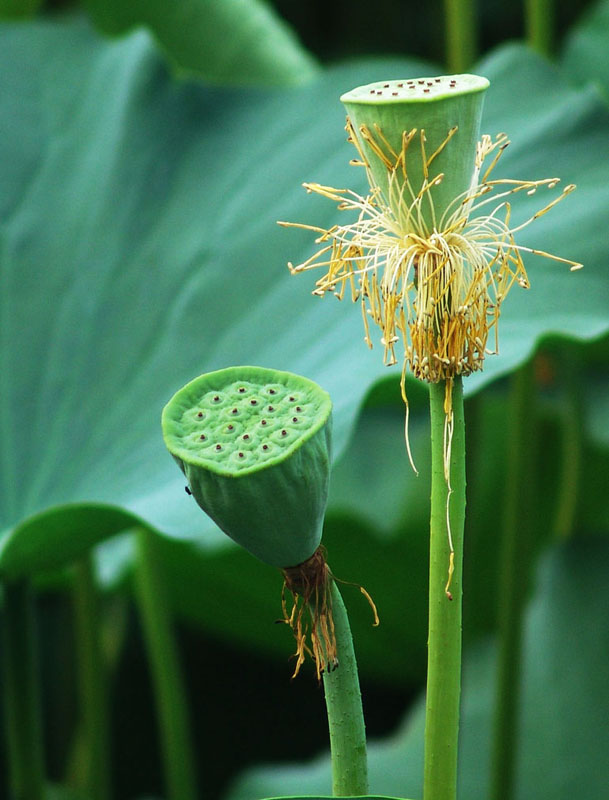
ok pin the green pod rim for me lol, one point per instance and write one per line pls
(386, 110)
(255, 447)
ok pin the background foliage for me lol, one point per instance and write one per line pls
(142, 177)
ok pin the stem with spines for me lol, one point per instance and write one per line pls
(444, 642)
(345, 713)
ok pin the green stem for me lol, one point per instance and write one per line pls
(460, 33)
(96, 777)
(572, 446)
(22, 693)
(539, 21)
(165, 668)
(345, 714)
(444, 642)
(513, 579)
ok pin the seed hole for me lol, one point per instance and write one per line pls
(298, 408)
(272, 391)
(291, 399)
(202, 437)
(218, 447)
(263, 422)
(231, 427)
(284, 433)
(253, 402)
(246, 437)
(187, 490)
(241, 389)
(240, 455)
(200, 414)
(216, 398)
(294, 419)
(265, 447)
(271, 408)
(235, 411)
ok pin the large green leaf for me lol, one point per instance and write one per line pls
(240, 42)
(585, 52)
(564, 728)
(139, 249)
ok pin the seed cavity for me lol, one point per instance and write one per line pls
(200, 414)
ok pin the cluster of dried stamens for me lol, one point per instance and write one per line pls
(436, 284)
(310, 617)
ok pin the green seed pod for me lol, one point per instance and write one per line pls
(406, 123)
(254, 445)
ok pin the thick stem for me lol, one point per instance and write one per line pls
(539, 17)
(345, 714)
(22, 693)
(444, 642)
(92, 683)
(460, 33)
(164, 664)
(513, 579)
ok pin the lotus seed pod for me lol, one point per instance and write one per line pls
(254, 445)
(385, 115)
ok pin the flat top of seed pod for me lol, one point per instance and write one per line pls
(241, 419)
(416, 89)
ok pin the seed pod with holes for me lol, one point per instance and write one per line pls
(430, 110)
(254, 445)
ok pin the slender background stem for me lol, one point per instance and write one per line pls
(92, 683)
(460, 34)
(22, 693)
(539, 22)
(572, 445)
(345, 713)
(514, 560)
(444, 643)
(165, 668)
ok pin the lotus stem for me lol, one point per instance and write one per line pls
(444, 642)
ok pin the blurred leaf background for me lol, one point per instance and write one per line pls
(146, 152)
